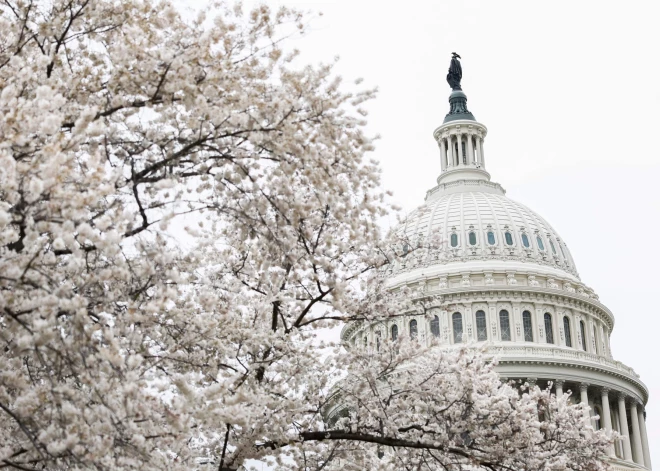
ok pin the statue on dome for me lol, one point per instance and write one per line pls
(455, 72)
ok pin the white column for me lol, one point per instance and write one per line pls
(638, 452)
(607, 416)
(470, 149)
(617, 427)
(450, 151)
(627, 451)
(443, 155)
(460, 148)
(645, 437)
(584, 399)
(481, 152)
(477, 153)
(559, 387)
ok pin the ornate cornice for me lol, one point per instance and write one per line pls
(472, 184)
(632, 378)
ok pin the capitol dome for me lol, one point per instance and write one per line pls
(494, 273)
(479, 223)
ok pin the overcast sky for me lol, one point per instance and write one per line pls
(570, 93)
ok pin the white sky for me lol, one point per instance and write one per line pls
(570, 93)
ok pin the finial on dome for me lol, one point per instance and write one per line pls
(457, 99)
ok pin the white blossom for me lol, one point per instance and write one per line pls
(181, 211)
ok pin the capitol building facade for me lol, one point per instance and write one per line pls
(504, 278)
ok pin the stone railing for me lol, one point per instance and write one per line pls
(536, 351)
(458, 183)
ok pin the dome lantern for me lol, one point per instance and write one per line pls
(460, 137)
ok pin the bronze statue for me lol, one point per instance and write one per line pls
(455, 72)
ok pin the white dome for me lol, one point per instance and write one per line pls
(463, 224)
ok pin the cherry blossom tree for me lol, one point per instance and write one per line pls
(182, 209)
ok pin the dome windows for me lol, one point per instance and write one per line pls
(457, 324)
(567, 331)
(552, 246)
(490, 237)
(453, 240)
(482, 329)
(505, 326)
(508, 238)
(549, 334)
(527, 326)
(413, 329)
(539, 242)
(394, 330)
(472, 238)
(435, 326)
(583, 332)
(525, 240)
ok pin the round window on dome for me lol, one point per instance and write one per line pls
(472, 238)
(490, 236)
(453, 240)
(525, 240)
(508, 238)
(540, 243)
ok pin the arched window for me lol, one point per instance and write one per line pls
(539, 241)
(563, 254)
(528, 330)
(472, 238)
(490, 237)
(583, 332)
(505, 326)
(552, 246)
(413, 328)
(365, 341)
(549, 335)
(378, 340)
(482, 329)
(525, 240)
(595, 337)
(457, 323)
(394, 330)
(405, 249)
(567, 331)
(435, 326)
(508, 238)
(454, 240)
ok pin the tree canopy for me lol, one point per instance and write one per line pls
(181, 210)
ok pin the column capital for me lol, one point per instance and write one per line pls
(584, 387)
(531, 381)
(622, 396)
(559, 382)
(604, 391)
